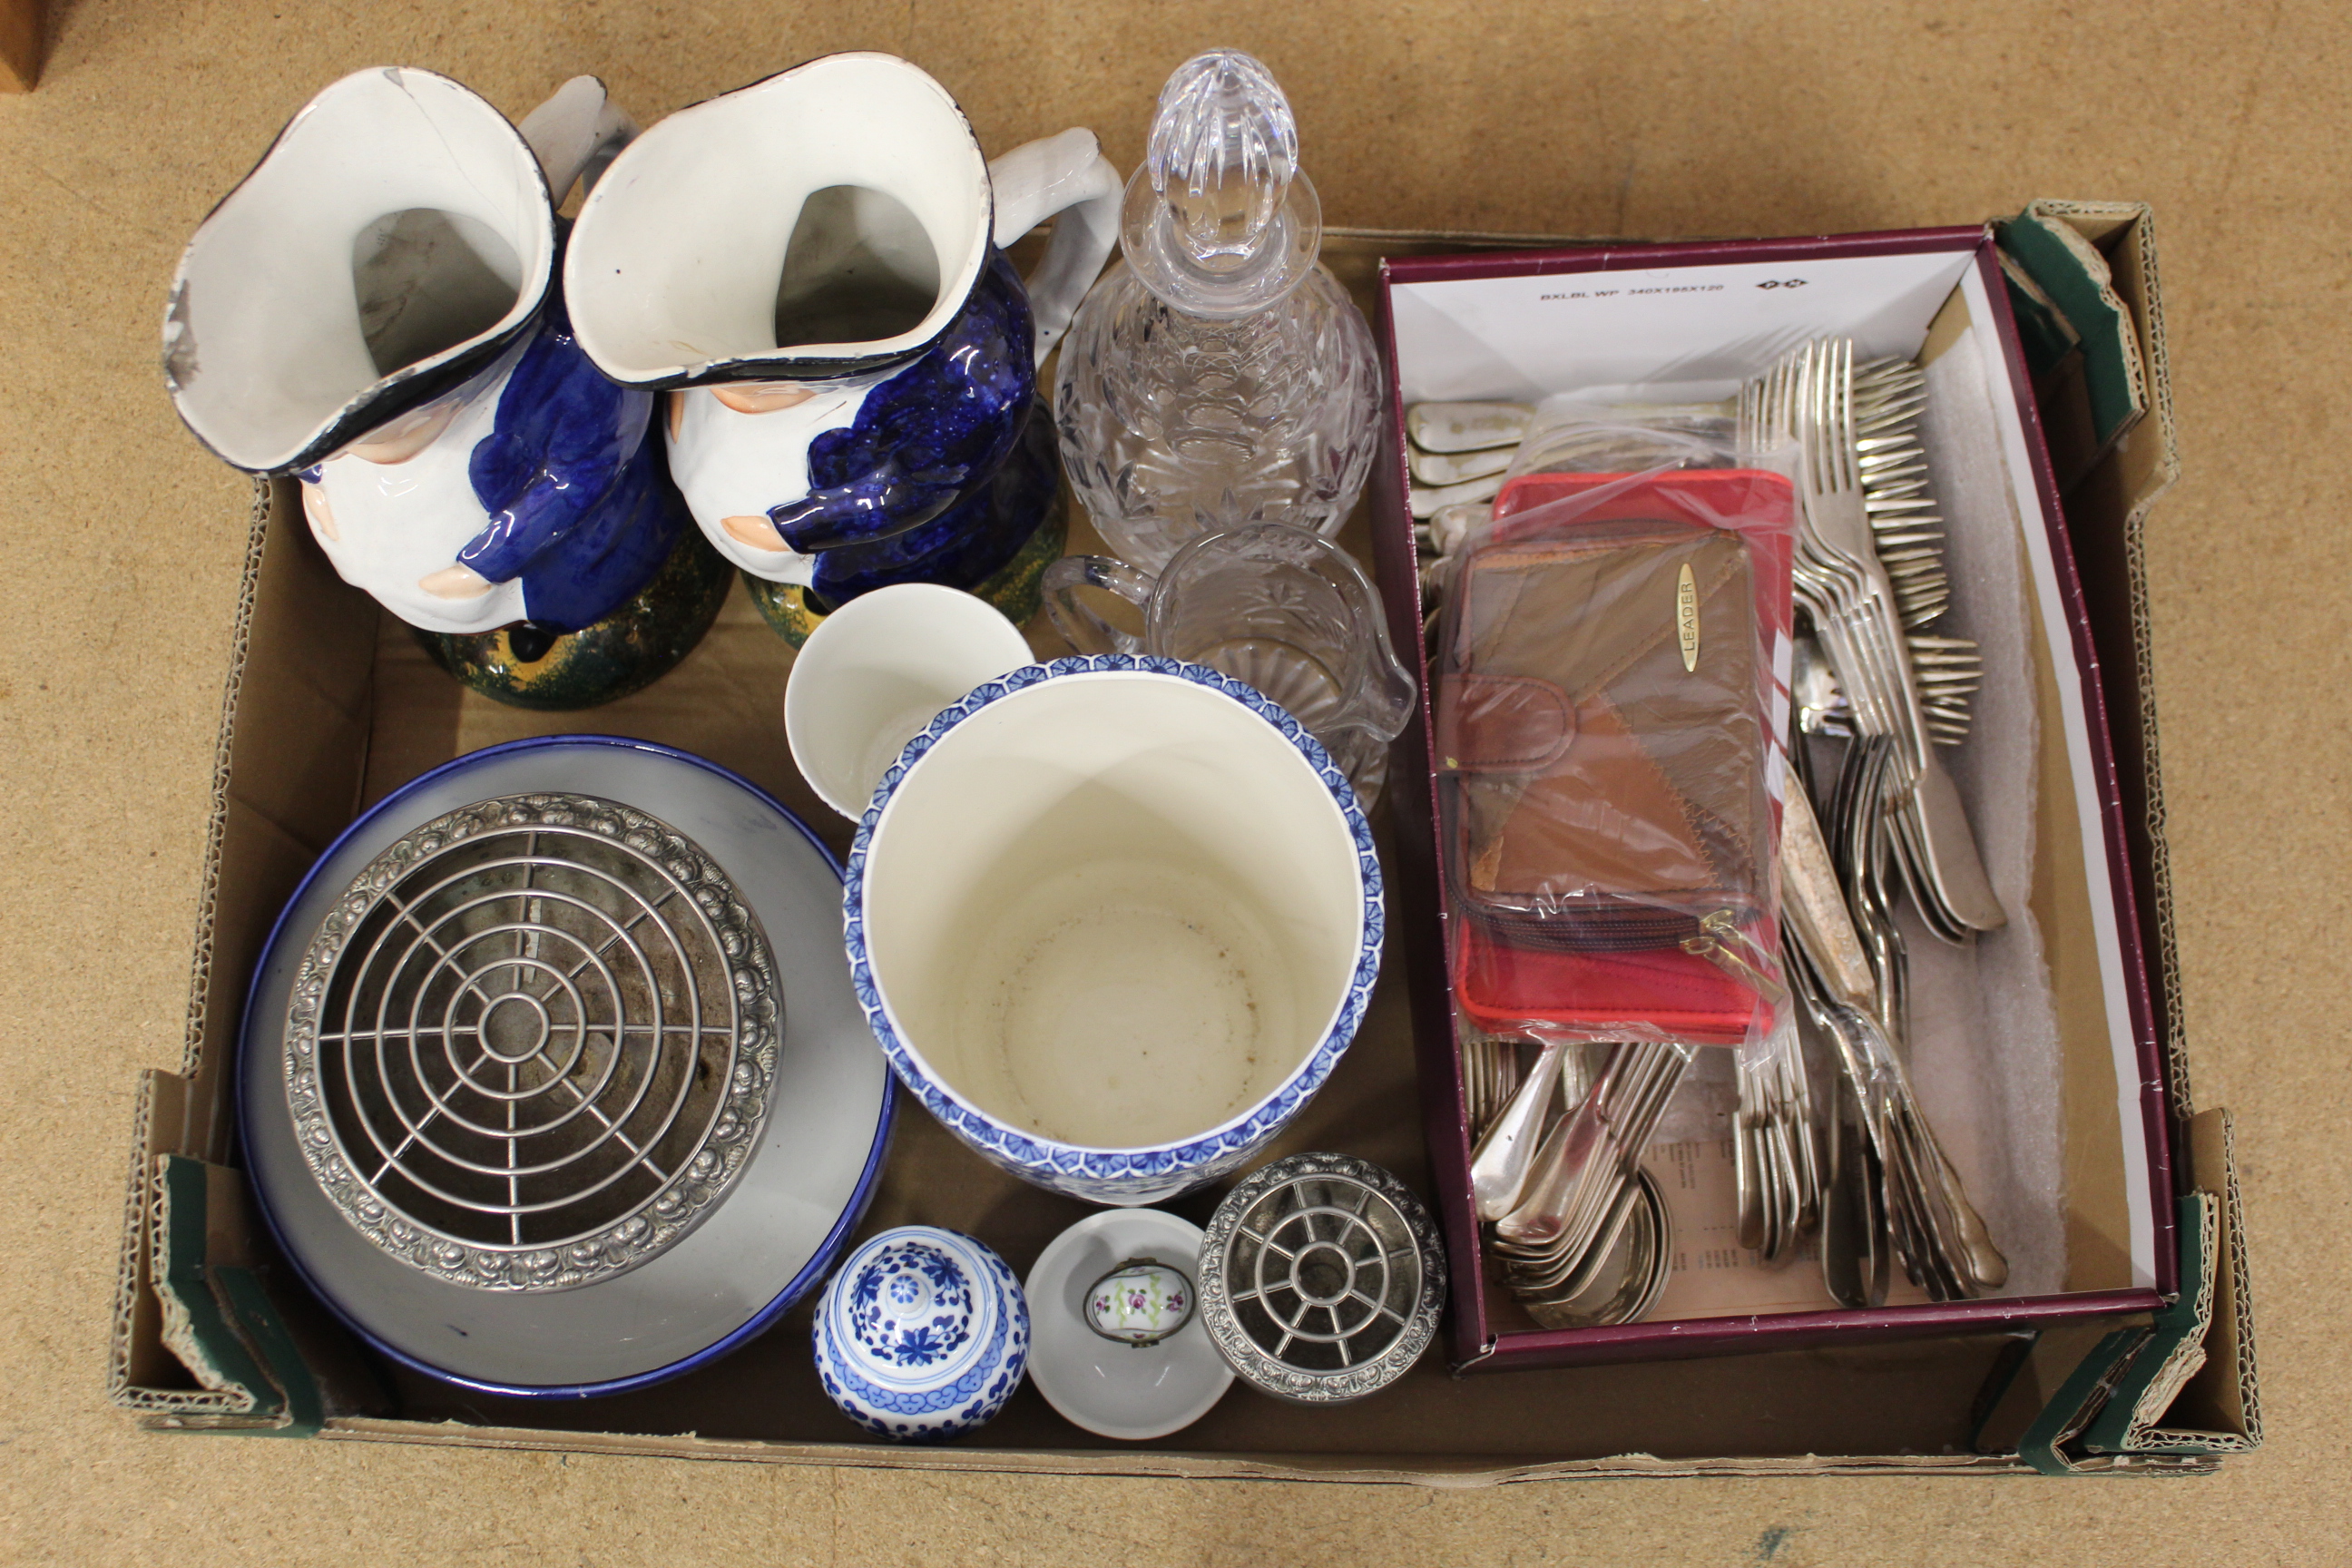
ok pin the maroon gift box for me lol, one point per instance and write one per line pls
(1772, 293)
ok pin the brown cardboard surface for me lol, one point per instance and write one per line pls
(2222, 1396)
(122, 555)
(23, 24)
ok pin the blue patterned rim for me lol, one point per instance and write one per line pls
(819, 1265)
(1049, 1157)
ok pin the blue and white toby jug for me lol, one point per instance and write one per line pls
(375, 309)
(810, 267)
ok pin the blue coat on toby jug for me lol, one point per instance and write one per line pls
(570, 484)
(810, 267)
(374, 309)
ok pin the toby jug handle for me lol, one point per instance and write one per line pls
(1066, 178)
(577, 134)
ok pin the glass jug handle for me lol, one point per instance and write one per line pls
(1066, 178)
(575, 135)
(1080, 626)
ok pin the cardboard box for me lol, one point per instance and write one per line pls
(331, 705)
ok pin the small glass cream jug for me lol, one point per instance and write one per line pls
(1279, 607)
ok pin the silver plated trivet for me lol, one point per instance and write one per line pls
(532, 1043)
(1321, 1278)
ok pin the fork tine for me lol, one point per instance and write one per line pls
(1833, 423)
(1847, 479)
(1824, 421)
(1838, 396)
(1800, 410)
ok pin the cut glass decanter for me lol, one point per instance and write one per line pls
(1219, 375)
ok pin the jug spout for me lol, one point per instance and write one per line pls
(577, 134)
(310, 308)
(824, 223)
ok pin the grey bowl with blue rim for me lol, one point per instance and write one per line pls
(784, 1221)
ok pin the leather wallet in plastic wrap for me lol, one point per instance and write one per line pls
(1607, 755)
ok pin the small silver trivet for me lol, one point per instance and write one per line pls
(1321, 1278)
(532, 1045)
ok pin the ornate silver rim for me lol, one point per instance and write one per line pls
(532, 1043)
(1335, 1208)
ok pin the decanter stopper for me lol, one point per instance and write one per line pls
(1223, 150)
(1220, 221)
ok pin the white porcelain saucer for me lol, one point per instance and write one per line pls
(1114, 1390)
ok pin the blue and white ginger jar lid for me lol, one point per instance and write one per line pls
(922, 1335)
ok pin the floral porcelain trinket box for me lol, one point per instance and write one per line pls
(1140, 1302)
(923, 1334)
(1119, 1351)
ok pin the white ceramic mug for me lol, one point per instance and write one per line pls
(878, 669)
(1113, 920)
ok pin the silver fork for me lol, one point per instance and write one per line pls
(1777, 1165)
(1808, 398)
(1936, 832)
(1923, 1204)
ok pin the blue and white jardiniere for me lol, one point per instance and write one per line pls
(923, 1334)
(374, 309)
(1114, 920)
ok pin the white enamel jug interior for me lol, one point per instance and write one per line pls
(1117, 911)
(837, 213)
(398, 220)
